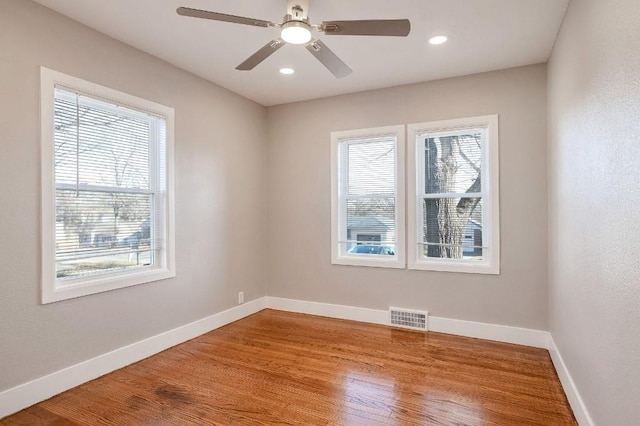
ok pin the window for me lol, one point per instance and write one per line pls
(453, 201)
(107, 206)
(368, 197)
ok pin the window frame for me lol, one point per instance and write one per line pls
(53, 289)
(339, 257)
(490, 197)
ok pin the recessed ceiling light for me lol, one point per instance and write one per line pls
(438, 39)
(287, 71)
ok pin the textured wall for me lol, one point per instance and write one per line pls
(299, 189)
(220, 169)
(594, 187)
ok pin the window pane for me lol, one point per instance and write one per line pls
(100, 232)
(452, 162)
(452, 228)
(98, 145)
(371, 225)
(371, 167)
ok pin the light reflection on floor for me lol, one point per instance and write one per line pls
(375, 399)
(368, 398)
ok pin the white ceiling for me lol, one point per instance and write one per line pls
(484, 35)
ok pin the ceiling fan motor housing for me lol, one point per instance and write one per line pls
(297, 13)
(298, 9)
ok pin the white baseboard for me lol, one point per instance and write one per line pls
(575, 400)
(500, 333)
(27, 394)
(374, 316)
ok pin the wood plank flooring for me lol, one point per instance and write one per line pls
(279, 368)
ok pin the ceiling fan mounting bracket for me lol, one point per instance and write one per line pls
(329, 28)
(314, 46)
(274, 44)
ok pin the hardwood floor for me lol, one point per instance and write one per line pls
(279, 368)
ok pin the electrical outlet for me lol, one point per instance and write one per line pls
(240, 297)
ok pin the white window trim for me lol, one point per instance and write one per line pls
(52, 290)
(491, 202)
(381, 261)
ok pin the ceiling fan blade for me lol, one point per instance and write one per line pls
(329, 59)
(262, 54)
(205, 14)
(368, 27)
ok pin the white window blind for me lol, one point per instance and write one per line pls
(369, 215)
(110, 179)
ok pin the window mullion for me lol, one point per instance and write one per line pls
(453, 195)
(107, 189)
(370, 196)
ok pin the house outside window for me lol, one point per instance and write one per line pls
(107, 191)
(368, 208)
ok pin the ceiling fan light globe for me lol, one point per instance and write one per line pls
(296, 32)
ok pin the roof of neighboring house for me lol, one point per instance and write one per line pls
(365, 222)
(474, 224)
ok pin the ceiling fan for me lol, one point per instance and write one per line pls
(296, 29)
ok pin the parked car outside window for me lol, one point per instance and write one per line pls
(372, 249)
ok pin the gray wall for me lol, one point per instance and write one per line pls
(299, 265)
(594, 187)
(220, 170)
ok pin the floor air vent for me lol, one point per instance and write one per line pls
(407, 318)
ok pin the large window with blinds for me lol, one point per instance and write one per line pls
(368, 197)
(453, 196)
(107, 199)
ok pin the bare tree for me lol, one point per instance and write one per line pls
(128, 206)
(446, 218)
(75, 219)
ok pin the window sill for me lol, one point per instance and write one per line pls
(56, 290)
(377, 262)
(453, 266)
